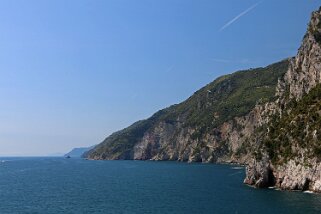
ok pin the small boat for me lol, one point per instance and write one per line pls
(67, 156)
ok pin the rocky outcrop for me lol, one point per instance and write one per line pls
(260, 173)
(293, 156)
(299, 174)
(304, 71)
(296, 174)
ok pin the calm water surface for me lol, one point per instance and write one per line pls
(58, 185)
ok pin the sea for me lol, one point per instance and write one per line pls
(59, 185)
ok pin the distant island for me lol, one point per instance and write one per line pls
(267, 118)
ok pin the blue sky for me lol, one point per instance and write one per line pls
(74, 71)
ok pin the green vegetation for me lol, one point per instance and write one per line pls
(119, 145)
(299, 128)
(227, 97)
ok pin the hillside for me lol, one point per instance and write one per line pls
(182, 131)
(78, 152)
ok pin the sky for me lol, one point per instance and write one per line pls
(74, 71)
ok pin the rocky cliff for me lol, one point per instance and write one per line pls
(290, 149)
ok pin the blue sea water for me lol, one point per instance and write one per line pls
(58, 185)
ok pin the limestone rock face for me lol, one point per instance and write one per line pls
(305, 69)
(296, 176)
(290, 176)
(259, 174)
(302, 171)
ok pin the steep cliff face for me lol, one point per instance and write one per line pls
(304, 70)
(290, 148)
(232, 141)
(213, 125)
